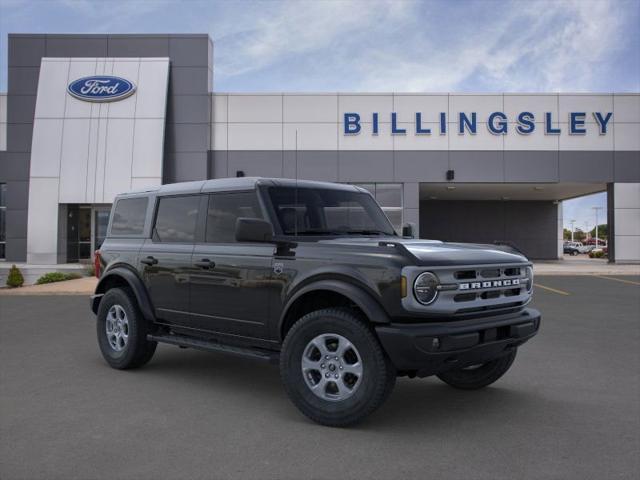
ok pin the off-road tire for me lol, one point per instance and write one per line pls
(479, 377)
(378, 378)
(138, 351)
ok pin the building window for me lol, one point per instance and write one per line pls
(389, 196)
(3, 222)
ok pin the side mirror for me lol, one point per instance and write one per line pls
(253, 230)
(407, 230)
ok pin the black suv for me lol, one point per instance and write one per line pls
(313, 276)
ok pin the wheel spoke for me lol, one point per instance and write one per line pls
(354, 369)
(308, 364)
(343, 347)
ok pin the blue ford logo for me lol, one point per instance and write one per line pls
(103, 88)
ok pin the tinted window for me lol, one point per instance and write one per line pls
(128, 216)
(318, 211)
(224, 210)
(176, 219)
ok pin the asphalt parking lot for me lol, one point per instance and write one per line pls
(569, 408)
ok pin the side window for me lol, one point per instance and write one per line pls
(224, 210)
(176, 219)
(129, 215)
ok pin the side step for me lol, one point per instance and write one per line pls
(210, 346)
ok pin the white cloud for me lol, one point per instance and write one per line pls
(382, 46)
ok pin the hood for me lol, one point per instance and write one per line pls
(437, 253)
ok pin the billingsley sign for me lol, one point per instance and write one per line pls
(101, 88)
(497, 123)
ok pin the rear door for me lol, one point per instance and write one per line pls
(166, 257)
(231, 281)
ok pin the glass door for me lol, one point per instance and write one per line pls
(99, 227)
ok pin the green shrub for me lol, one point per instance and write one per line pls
(52, 277)
(596, 254)
(15, 278)
(90, 270)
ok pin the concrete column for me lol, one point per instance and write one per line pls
(624, 222)
(411, 206)
(560, 236)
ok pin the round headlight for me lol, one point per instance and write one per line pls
(425, 288)
(529, 279)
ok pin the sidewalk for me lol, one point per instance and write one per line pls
(81, 286)
(583, 265)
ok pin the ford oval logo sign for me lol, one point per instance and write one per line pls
(101, 88)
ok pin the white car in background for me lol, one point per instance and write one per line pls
(579, 246)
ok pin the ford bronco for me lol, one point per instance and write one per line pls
(312, 276)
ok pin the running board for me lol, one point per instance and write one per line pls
(208, 346)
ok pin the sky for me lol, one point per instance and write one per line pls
(377, 45)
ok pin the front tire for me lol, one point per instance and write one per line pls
(122, 331)
(479, 376)
(334, 369)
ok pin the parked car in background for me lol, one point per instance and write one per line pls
(570, 249)
(577, 246)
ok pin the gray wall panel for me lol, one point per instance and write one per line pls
(626, 166)
(16, 250)
(218, 164)
(188, 109)
(260, 163)
(188, 80)
(17, 223)
(529, 166)
(187, 137)
(477, 166)
(311, 165)
(532, 226)
(16, 167)
(23, 81)
(76, 46)
(426, 166)
(26, 50)
(22, 108)
(189, 51)
(138, 46)
(184, 167)
(365, 166)
(19, 137)
(17, 195)
(586, 166)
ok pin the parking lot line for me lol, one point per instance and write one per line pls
(554, 290)
(631, 282)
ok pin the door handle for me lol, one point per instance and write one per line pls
(205, 263)
(149, 260)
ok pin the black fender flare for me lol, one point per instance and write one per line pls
(136, 285)
(369, 306)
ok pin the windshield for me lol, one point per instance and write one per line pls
(325, 211)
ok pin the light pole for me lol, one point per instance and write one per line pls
(596, 210)
(572, 222)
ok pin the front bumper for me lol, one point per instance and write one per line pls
(429, 348)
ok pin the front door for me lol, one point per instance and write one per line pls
(231, 281)
(165, 259)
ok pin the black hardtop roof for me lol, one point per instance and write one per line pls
(239, 183)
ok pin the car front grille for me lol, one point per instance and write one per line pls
(475, 289)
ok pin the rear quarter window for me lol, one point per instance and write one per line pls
(128, 216)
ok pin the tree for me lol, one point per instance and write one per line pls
(603, 231)
(578, 235)
(566, 234)
(15, 278)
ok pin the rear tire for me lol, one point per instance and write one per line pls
(122, 331)
(334, 369)
(476, 377)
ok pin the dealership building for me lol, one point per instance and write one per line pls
(86, 117)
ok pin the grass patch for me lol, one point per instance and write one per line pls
(53, 277)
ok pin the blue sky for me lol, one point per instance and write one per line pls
(369, 45)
